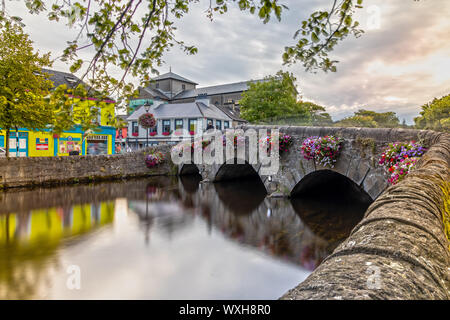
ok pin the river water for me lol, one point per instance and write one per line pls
(163, 238)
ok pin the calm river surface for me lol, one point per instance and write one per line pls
(163, 238)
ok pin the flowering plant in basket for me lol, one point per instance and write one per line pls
(325, 150)
(154, 159)
(400, 158)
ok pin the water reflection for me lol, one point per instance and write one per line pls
(169, 238)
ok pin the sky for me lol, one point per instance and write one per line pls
(401, 61)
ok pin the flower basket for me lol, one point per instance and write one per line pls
(147, 121)
(135, 134)
(55, 136)
(284, 143)
(153, 133)
(166, 133)
(178, 133)
(192, 133)
(154, 159)
(399, 159)
(324, 150)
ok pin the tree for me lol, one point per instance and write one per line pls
(357, 121)
(435, 115)
(318, 115)
(133, 35)
(370, 119)
(23, 88)
(383, 119)
(271, 99)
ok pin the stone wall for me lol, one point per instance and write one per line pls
(26, 172)
(399, 250)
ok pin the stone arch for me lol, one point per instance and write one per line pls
(188, 169)
(331, 184)
(236, 170)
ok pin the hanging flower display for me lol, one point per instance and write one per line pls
(284, 142)
(147, 121)
(154, 159)
(324, 150)
(399, 170)
(400, 158)
(237, 140)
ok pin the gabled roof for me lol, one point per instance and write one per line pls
(156, 93)
(232, 114)
(181, 110)
(213, 90)
(171, 75)
(59, 78)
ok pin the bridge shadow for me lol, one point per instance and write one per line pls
(330, 204)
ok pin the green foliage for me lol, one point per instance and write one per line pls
(318, 115)
(320, 33)
(383, 119)
(370, 119)
(435, 115)
(271, 99)
(22, 87)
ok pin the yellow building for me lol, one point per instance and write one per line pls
(29, 143)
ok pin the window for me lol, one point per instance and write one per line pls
(209, 124)
(183, 86)
(193, 125)
(157, 85)
(154, 129)
(134, 127)
(219, 124)
(226, 124)
(178, 124)
(166, 126)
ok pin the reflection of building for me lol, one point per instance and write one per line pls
(54, 223)
(29, 143)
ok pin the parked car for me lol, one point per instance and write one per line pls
(2, 152)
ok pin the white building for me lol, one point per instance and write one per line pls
(175, 121)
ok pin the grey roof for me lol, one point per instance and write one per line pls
(232, 114)
(213, 90)
(156, 93)
(59, 78)
(181, 110)
(171, 75)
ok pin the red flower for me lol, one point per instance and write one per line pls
(135, 134)
(153, 133)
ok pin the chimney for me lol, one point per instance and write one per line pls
(203, 97)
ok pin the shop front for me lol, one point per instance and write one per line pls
(97, 144)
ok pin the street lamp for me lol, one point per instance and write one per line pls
(147, 108)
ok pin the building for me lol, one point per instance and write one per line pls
(177, 104)
(174, 89)
(28, 143)
(175, 121)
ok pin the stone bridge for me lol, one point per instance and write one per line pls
(357, 166)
